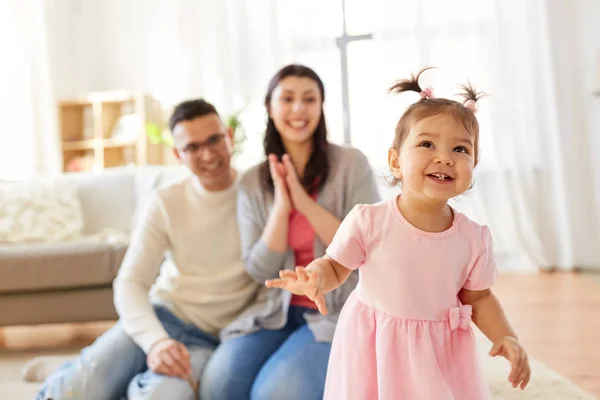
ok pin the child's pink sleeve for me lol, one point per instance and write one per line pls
(349, 243)
(483, 273)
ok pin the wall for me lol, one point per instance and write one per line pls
(92, 46)
(76, 46)
(171, 49)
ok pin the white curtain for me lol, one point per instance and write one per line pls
(28, 136)
(535, 183)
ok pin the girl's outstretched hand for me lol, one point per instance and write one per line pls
(302, 283)
(510, 348)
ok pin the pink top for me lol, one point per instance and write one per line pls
(301, 238)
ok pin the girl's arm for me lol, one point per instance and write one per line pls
(488, 314)
(320, 276)
(326, 274)
(489, 317)
(331, 273)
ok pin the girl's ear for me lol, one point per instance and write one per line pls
(394, 163)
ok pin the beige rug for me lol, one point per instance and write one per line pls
(545, 384)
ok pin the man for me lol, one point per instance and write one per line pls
(168, 325)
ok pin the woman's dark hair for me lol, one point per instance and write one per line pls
(317, 168)
(463, 113)
(190, 109)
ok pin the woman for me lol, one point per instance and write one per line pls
(289, 208)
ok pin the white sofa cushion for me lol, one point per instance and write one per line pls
(107, 198)
(39, 211)
(110, 198)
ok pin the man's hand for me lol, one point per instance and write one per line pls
(170, 357)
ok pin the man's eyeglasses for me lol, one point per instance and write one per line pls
(213, 142)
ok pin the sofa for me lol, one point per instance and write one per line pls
(70, 280)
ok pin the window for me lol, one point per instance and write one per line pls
(360, 48)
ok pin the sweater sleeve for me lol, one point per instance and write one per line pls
(138, 272)
(261, 262)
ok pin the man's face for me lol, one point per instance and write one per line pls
(204, 145)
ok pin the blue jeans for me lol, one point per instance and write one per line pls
(114, 367)
(269, 364)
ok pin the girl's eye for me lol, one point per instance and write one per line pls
(426, 144)
(461, 149)
(287, 99)
(310, 100)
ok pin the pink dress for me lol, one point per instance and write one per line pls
(403, 333)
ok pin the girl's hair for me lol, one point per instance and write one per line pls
(428, 106)
(317, 168)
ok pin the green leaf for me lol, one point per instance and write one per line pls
(156, 135)
(168, 139)
(239, 136)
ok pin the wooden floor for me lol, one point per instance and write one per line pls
(557, 316)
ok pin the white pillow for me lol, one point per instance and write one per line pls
(39, 211)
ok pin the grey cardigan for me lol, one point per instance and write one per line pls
(350, 182)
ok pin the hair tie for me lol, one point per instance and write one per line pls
(427, 93)
(471, 105)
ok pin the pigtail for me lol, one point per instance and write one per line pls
(471, 96)
(410, 85)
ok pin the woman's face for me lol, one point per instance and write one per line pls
(295, 108)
